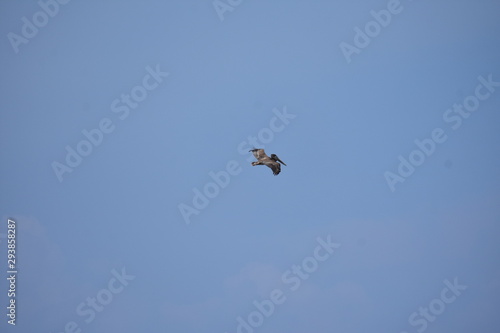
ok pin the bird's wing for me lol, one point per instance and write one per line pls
(259, 154)
(275, 166)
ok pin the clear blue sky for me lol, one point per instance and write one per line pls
(106, 247)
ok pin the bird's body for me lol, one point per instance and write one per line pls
(272, 162)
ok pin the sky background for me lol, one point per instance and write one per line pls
(349, 122)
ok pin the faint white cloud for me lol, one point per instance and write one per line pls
(254, 278)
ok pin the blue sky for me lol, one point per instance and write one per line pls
(172, 93)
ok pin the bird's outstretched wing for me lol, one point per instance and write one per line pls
(259, 153)
(275, 166)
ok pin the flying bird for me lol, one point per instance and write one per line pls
(272, 162)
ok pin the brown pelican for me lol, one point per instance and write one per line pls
(263, 159)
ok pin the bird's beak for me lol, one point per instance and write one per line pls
(280, 161)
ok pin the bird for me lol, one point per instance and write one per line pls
(272, 162)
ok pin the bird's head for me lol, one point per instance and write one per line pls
(274, 157)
